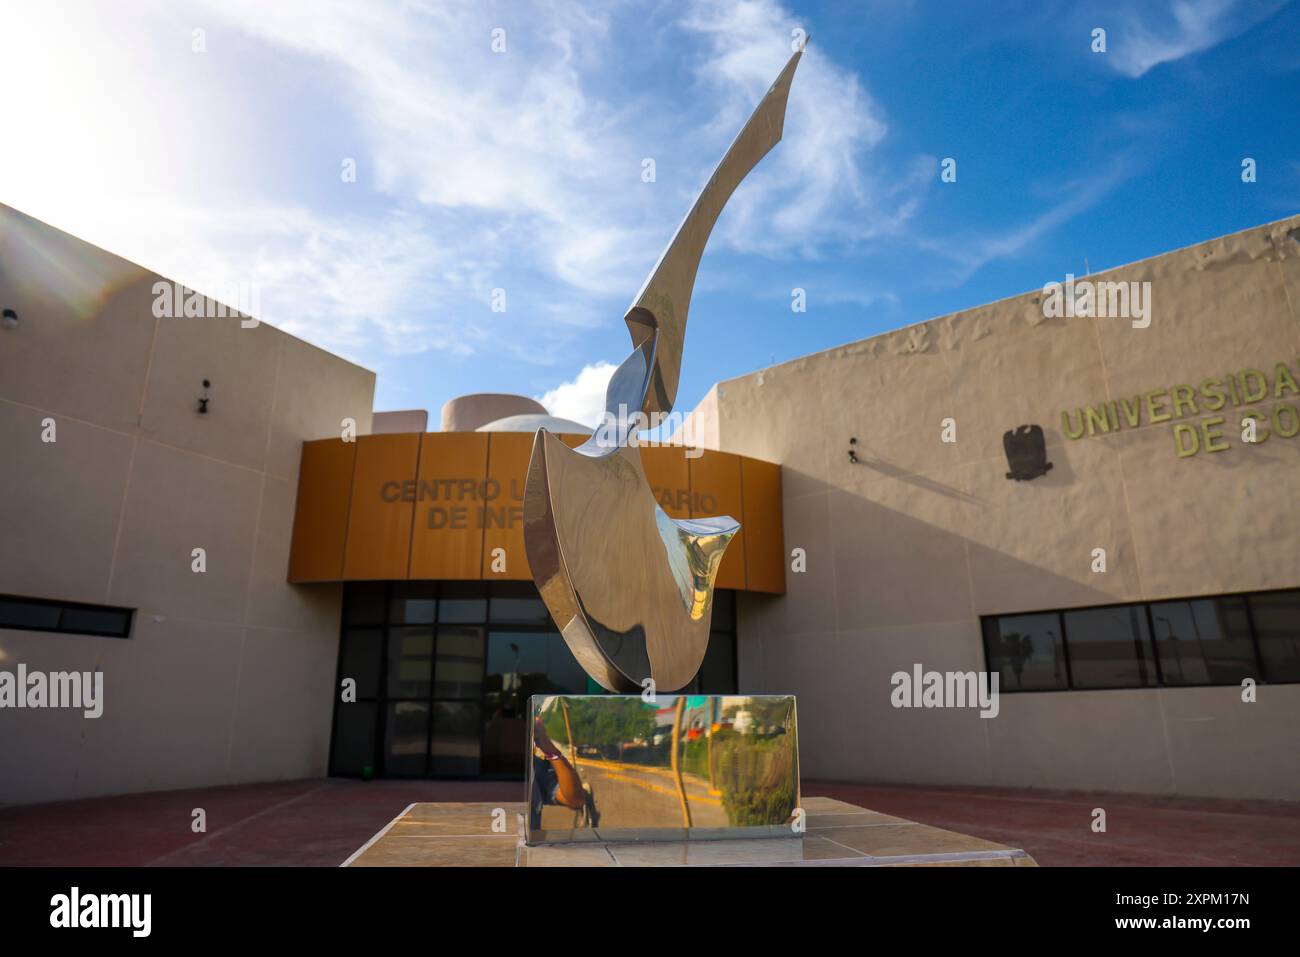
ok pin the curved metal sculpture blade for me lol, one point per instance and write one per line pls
(630, 588)
(665, 297)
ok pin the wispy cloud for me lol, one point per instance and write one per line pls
(819, 189)
(1141, 37)
(972, 251)
(476, 170)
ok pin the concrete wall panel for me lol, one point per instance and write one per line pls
(177, 502)
(169, 700)
(85, 325)
(289, 674)
(315, 392)
(76, 483)
(241, 366)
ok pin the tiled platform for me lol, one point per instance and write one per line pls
(838, 835)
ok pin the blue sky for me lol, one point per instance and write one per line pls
(522, 170)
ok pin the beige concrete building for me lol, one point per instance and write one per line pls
(910, 546)
(227, 675)
(1122, 595)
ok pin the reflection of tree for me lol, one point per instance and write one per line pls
(756, 769)
(603, 723)
(675, 750)
(756, 778)
(1015, 649)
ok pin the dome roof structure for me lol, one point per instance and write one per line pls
(531, 422)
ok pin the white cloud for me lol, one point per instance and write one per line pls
(816, 189)
(583, 399)
(476, 170)
(518, 139)
(1143, 39)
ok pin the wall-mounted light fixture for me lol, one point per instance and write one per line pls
(203, 399)
(10, 319)
(853, 452)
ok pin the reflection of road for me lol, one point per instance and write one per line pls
(631, 795)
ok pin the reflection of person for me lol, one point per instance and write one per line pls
(554, 779)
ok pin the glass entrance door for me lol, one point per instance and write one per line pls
(437, 676)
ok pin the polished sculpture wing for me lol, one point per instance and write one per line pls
(664, 299)
(630, 588)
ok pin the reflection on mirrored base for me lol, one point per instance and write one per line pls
(667, 768)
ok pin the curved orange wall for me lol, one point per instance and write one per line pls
(438, 506)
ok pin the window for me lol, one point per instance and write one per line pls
(458, 670)
(1027, 652)
(412, 603)
(1206, 641)
(1110, 648)
(517, 603)
(359, 659)
(1276, 619)
(354, 739)
(1220, 640)
(69, 618)
(464, 602)
(410, 662)
(442, 672)
(365, 604)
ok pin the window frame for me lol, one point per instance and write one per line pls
(992, 620)
(64, 606)
(1152, 661)
(987, 622)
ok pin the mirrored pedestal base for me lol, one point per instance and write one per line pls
(669, 767)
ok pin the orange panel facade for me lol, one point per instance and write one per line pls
(320, 522)
(503, 514)
(447, 506)
(668, 471)
(447, 539)
(764, 532)
(715, 490)
(383, 506)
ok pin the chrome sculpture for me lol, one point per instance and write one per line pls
(630, 588)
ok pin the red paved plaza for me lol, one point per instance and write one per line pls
(321, 822)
